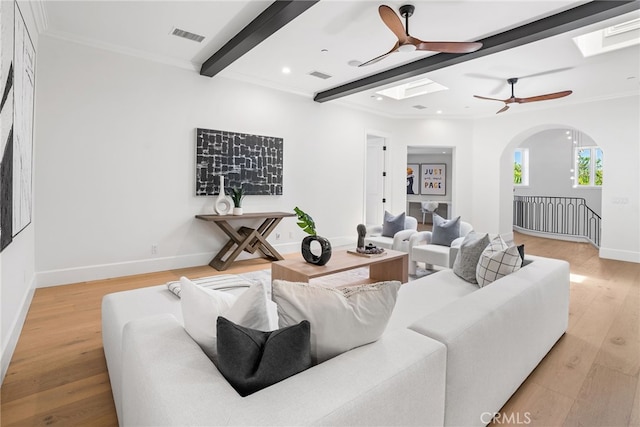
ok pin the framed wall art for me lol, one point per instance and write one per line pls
(253, 162)
(433, 179)
(18, 91)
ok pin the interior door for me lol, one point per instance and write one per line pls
(375, 180)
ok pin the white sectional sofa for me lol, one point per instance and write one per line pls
(451, 353)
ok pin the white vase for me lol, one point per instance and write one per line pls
(222, 204)
(237, 211)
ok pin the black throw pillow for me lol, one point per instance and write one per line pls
(252, 360)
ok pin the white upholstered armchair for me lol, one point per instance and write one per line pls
(399, 241)
(422, 249)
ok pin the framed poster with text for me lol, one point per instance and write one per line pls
(433, 179)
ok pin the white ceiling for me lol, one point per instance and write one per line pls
(353, 31)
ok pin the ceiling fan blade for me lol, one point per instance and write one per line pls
(378, 58)
(392, 21)
(545, 97)
(503, 109)
(490, 99)
(449, 47)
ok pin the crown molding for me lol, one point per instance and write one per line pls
(61, 35)
(39, 13)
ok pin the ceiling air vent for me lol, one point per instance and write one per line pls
(320, 75)
(187, 35)
(419, 107)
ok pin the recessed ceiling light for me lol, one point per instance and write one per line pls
(286, 70)
(568, 132)
(378, 98)
(354, 63)
(324, 50)
(439, 112)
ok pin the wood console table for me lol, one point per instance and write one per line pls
(245, 238)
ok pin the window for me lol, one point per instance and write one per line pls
(521, 166)
(589, 166)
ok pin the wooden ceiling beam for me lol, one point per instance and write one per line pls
(274, 17)
(577, 17)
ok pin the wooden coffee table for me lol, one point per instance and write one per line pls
(393, 265)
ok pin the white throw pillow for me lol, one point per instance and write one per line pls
(201, 308)
(496, 261)
(341, 319)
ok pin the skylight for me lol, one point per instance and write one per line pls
(609, 39)
(415, 88)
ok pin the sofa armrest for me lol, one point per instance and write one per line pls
(498, 335)
(402, 236)
(374, 230)
(454, 248)
(168, 380)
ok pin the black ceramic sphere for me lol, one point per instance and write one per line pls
(325, 250)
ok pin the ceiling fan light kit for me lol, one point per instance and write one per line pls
(407, 43)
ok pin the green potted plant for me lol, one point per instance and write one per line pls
(237, 194)
(309, 226)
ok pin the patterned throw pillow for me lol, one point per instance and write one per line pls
(392, 224)
(221, 282)
(496, 261)
(444, 231)
(468, 256)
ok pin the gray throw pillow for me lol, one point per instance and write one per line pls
(392, 224)
(444, 231)
(469, 255)
(252, 360)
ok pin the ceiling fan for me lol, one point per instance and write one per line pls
(513, 98)
(406, 43)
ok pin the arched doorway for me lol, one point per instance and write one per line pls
(557, 177)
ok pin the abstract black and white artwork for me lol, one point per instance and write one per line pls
(18, 90)
(6, 123)
(23, 97)
(253, 162)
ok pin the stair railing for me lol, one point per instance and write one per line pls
(566, 216)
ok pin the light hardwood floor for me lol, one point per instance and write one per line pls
(58, 374)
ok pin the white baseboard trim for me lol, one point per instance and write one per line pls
(9, 346)
(620, 255)
(45, 279)
(555, 236)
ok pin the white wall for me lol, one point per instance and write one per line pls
(612, 124)
(115, 170)
(551, 158)
(17, 275)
